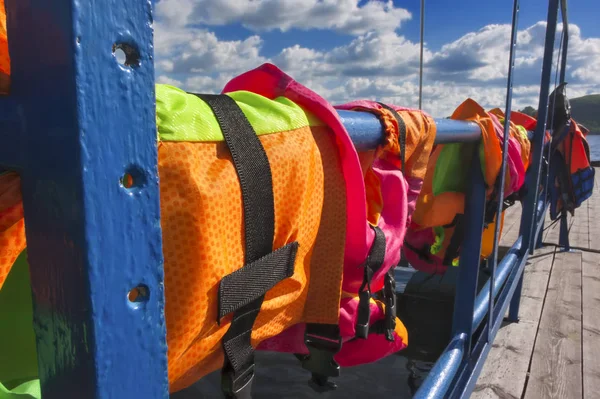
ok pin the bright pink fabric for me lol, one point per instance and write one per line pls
(419, 239)
(354, 351)
(516, 168)
(399, 202)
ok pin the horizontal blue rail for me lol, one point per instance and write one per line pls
(445, 368)
(366, 131)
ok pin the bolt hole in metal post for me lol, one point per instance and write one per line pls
(126, 55)
(138, 296)
(127, 181)
(133, 179)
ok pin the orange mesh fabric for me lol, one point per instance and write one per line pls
(12, 225)
(202, 221)
(201, 214)
(322, 303)
(574, 150)
(4, 57)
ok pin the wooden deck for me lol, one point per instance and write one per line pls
(554, 351)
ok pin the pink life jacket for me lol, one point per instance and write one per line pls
(378, 243)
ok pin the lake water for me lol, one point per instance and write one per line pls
(594, 142)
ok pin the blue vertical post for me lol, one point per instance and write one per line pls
(563, 237)
(565, 23)
(468, 268)
(539, 242)
(91, 195)
(500, 188)
(515, 303)
(564, 229)
(529, 218)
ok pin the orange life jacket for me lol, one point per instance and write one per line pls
(434, 237)
(571, 175)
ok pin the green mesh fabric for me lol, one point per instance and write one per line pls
(185, 117)
(26, 390)
(449, 173)
(452, 167)
(18, 378)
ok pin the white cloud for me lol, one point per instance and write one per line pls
(378, 63)
(344, 16)
(200, 51)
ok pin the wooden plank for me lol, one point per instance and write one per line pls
(535, 283)
(594, 215)
(579, 231)
(505, 371)
(591, 324)
(512, 222)
(556, 364)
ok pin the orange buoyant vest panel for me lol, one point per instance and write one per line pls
(203, 241)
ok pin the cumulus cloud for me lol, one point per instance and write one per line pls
(378, 63)
(346, 16)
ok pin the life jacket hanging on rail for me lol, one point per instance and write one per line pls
(272, 158)
(434, 237)
(366, 333)
(250, 192)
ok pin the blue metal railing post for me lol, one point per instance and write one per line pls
(529, 218)
(539, 242)
(563, 240)
(563, 237)
(90, 195)
(500, 188)
(515, 303)
(565, 24)
(468, 268)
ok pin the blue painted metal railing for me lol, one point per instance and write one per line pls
(366, 131)
(85, 121)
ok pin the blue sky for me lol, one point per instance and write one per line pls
(350, 49)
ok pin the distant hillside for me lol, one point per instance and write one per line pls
(585, 110)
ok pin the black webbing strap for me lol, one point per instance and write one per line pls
(424, 253)
(242, 292)
(401, 133)
(245, 285)
(373, 262)
(456, 240)
(389, 297)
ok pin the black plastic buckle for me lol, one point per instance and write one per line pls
(364, 305)
(389, 291)
(320, 361)
(364, 315)
(238, 386)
